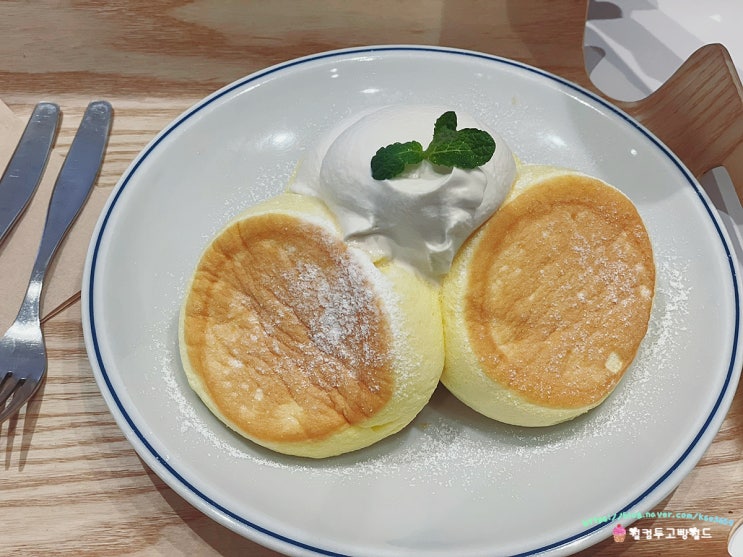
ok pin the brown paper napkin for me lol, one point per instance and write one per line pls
(17, 253)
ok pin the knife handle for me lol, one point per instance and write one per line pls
(26, 166)
(75, 180)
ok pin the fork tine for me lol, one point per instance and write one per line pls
(7, 384)
(22, 394)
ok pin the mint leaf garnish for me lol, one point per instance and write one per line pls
(469, 148)
(391, 160)
(466, 148)
(445, 126)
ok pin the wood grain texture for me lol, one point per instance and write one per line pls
(65, 464)
(698, 113)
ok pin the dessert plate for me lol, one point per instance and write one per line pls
(453, 482)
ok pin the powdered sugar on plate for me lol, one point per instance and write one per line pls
(448, 444)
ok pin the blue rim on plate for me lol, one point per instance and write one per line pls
(90, 277)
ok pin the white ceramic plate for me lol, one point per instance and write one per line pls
(452, 483)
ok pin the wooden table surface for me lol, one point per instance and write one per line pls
(70, 484)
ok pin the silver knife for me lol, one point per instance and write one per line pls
(76, 178)
(23, 173)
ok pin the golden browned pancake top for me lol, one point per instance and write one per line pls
(286, 331)
(560, 291)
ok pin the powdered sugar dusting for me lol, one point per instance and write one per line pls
(344, 304)
(448, 445)
(189, 419)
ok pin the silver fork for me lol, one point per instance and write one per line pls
(22, 350)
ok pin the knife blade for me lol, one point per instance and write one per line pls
(26, 166)
(76, 178)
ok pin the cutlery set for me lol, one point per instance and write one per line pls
(23, 359)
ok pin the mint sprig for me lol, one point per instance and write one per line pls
(466, 148)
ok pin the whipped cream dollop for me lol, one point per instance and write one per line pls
(421, 217)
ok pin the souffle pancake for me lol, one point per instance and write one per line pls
(300, 342)
(547, 303)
